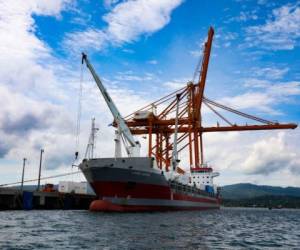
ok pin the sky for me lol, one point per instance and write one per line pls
(144, 49)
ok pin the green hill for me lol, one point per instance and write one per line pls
(270, 201)
(249, 191)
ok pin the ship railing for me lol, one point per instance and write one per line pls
(188, 189)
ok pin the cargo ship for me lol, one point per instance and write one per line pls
(159, 181)
(154, 182)
(137, 184)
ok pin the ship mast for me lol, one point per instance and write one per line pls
(89, 153)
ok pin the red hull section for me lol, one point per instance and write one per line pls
(143, 191)
(107, 206)
(138, 197)
(136, 190)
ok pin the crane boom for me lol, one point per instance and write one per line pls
(141, 131)
(203, 72)
(134, 146)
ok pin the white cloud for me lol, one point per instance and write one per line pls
(229, 36)
(176, 83)
(256, 83)
(126, 22)
(244, 16)
(110, 3)
(264, 95)
(250, 156)
(222, 38)
(24, 56)
(29, 81)
(280, 32)
(227, 44)
(196, 53)
(129, 51)
(80, 41)
(154, 62)
(257, 100)
(130, 76)
(45, 7)
(271, 154)
(270, 72)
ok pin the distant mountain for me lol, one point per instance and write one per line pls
(270, 201)
(249, 191)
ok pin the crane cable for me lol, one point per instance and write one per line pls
(79, 107)
(78, 121)
(197, 72)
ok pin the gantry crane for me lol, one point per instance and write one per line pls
(158, 122)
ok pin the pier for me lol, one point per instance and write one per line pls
(15, 199)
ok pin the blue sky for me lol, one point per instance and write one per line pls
(142, 50)
(163, 52)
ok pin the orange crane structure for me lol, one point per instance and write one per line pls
(157, 120)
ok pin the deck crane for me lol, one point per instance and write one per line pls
(123, 132)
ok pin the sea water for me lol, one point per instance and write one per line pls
(229, 228)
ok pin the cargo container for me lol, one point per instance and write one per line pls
(209, 189)
(73, 187)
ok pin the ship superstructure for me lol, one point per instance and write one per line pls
(171, 124)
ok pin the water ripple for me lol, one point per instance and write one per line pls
(225, 229)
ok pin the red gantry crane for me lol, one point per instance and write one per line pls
(158, 120)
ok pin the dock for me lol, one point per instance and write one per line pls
(15, 199)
